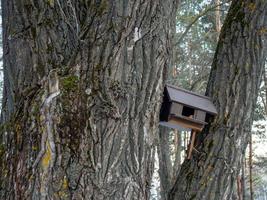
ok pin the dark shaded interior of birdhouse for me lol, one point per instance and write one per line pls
(188, 112)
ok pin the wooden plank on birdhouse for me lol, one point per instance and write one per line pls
(187, 123)
(191, 99)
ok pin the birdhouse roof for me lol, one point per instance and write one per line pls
(190, 99)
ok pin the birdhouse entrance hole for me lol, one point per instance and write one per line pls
(188, 112)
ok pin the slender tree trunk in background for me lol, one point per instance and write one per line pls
(185, 144)
(243, 179)
(239, 187)
(250, 168)
(168, 171)
(165, 164)
(177, 154)
(164, 146)
(265, 86)
(82, 90)
(233, 85)
(218, 18)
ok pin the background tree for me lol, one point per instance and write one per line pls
(83, 81)
(233, 85)
(196, 39)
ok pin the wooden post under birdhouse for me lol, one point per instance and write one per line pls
(192, 143)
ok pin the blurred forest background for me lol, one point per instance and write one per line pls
(197, 32)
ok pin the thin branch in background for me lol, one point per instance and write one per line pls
(196, 18)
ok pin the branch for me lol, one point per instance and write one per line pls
(204, 12)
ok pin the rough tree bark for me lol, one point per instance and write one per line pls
(82, 89)
(168, 170)
(165, 164)
(177, 154)
(233, 86)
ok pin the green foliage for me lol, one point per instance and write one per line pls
(195, 52)
(51, 3)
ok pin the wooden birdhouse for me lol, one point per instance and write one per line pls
(185, 110)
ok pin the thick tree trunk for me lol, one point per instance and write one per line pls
(233, 86)
(82, 90)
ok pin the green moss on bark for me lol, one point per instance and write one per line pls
(70, 83)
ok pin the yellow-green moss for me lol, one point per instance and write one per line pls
(102, 8)
(65, 183)
(47, 156)
(2, 150)
(252, 6)
(70, 83)
(51, 3)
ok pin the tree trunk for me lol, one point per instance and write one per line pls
(168, 170)
(233, 86)
(82, 90)
(243, 179)
(250, 169)
(165, 164)
(265, 89)
(177, 154)
(218, 18)
(239, 187)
